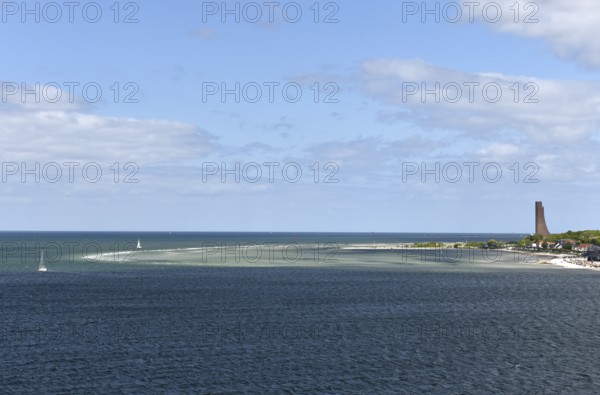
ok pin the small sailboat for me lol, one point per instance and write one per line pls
(42, 267)
(139, 245)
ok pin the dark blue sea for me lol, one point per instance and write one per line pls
(260, 313)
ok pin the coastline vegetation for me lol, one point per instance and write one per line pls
(566, 242)
(430, 244)
(581, 236)
(491, 244)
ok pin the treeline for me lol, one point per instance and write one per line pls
(469, 244)
(578, 237)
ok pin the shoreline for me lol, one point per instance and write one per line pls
(571, 262)
(544, 258)
(567, 261)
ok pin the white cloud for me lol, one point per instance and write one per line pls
(570, 27)
(560, 130)
(75, 136)
(169, 156)
(499, 151)
(546, 111)
(45, 148)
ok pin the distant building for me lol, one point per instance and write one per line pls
(561, 243)
(582, 247)
(540, 220)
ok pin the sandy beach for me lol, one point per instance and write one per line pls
(271, 255)
(572, 262)
(566, 261)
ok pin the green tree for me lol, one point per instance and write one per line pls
(525, 242)
(492, 243)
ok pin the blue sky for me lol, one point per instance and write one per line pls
(369, 134)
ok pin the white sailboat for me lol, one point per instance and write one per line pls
(42, 267)
(139, 245)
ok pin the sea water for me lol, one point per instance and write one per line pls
(109, 318)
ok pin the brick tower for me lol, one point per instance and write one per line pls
(540, 220)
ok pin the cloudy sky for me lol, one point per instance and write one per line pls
(300, 116)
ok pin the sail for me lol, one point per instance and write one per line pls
(42, 267)
(139, 245)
